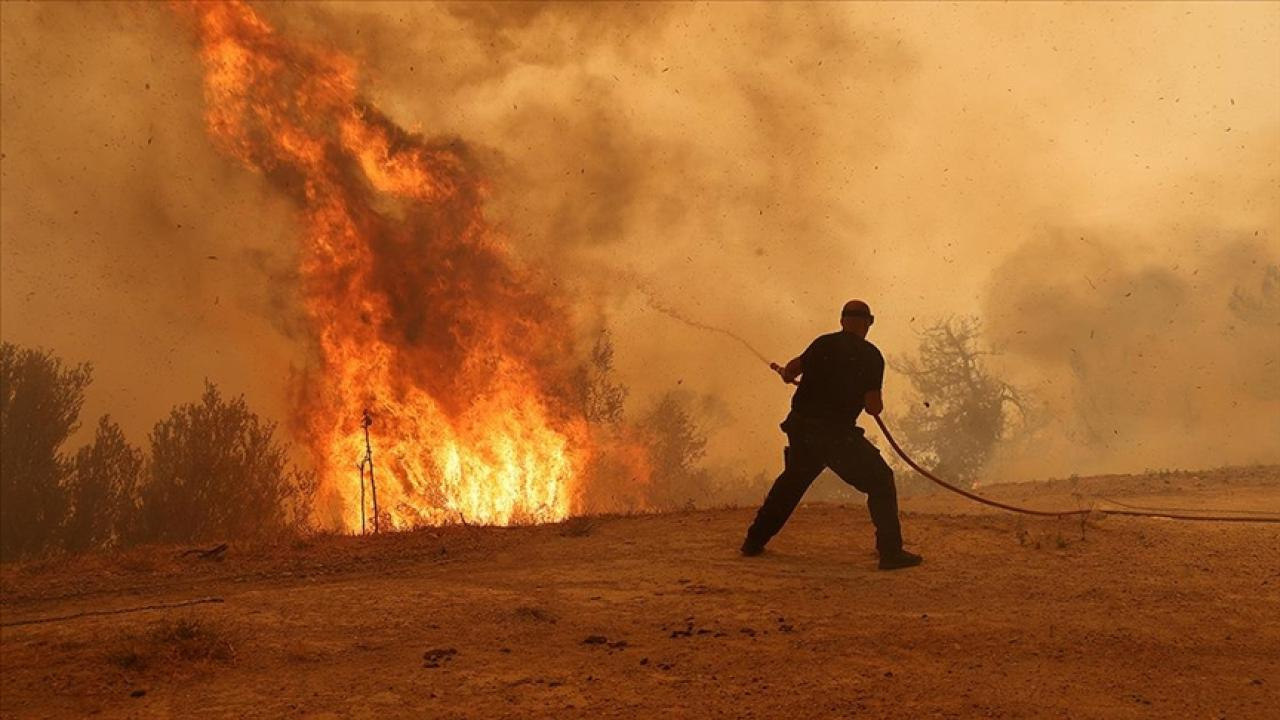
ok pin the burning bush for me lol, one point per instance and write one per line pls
(217, 470)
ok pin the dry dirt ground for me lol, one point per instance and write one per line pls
(637, 617)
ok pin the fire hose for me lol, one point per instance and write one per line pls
(1245, 516)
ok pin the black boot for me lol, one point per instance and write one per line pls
(751, 548)
(899, 559)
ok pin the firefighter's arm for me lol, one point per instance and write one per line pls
(873, 402)
(791, 371)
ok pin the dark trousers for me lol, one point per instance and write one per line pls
(852, 457)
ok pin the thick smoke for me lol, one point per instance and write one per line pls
(127, 241)
(1140, 363)
(751, 166)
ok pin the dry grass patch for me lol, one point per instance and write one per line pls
(580, 526)
(174, 642)
(534, 614)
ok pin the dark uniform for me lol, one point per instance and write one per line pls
(837, 371)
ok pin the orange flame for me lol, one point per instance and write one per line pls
(418, 311)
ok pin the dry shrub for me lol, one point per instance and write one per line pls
(170, 642)
(534, 614)
(1038, 536)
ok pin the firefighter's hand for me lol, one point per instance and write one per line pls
(782, 373)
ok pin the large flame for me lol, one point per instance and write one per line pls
(419, 314)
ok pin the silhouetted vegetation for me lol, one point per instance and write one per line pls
(603, 398)
(218, 471)
(101, 489)
(215, 469)
(676, 448)
(961, 411)
(40, 401)
(666, 433)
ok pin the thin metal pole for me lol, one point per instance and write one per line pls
(366, 421)
(360, 466)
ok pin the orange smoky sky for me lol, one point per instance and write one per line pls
(1096, 182)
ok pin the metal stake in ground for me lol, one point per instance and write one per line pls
(360, 467)
(367, 461)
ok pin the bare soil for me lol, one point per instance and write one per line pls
(1009, 617)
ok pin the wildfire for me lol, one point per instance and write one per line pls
(418, 312)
